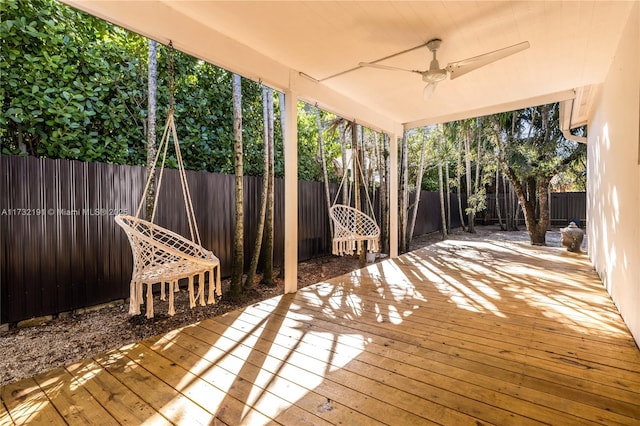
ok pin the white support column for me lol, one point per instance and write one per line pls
(291, 193)
(393, 195)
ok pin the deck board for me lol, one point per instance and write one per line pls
(504, 351)
(244, 381)
(125, 406)
(4, 414)
(233, 353)
(74, 403)
(413, 344)
(311, 356)
(168, 402)
(461, 332)
(441, 370)
(28, 404)
(512, 330)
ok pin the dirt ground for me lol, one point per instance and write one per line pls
(28, 351)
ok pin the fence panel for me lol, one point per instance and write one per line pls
(567, 207)
(429, 217)
(564, 207)
(62, 250)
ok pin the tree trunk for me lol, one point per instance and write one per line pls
(235, 289)
(281, 102)
(323, 159)
(515, 205)
(459, 184)
(467, 162)
(343, 152)
(355, 153)
(508, 204)
(248, 283)
(448, 193)
(385, 214)
(416, 203)
(512, 197)
(151, 125)
(538, 232)
(363, 166)
(267, 276)
(403, 196)
(441, 189)
(378, 167)
(357, 175)
(476, 185)
(537, 229)
(498, 212)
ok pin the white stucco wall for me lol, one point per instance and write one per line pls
(613, 188)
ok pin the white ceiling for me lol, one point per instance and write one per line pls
(279, 43)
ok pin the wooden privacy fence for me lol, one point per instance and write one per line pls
(564, 207)
(62, 250)
(567, 207)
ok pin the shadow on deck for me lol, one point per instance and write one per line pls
(461, 332)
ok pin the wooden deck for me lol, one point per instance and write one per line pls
(462, 332)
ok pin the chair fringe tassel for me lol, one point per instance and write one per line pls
(349, 246)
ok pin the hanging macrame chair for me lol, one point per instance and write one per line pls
(160, 255)
(353, 230)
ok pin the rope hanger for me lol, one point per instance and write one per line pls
(171, 132)
(356, 165)
(353, 229)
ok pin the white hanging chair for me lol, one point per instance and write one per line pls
(162, 256)
(351, 226)
(353, 230)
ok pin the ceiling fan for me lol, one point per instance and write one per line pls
(435, 74)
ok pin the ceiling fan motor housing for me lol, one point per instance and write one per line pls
(434, 76)
(434, 44)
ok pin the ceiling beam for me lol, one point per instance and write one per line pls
(494, 109)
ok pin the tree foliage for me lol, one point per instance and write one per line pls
(531, 151)
(66, 89)
(75, 87)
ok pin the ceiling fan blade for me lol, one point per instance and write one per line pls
(456, 69)
(386, 67)
(428, 90)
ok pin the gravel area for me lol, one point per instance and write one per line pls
(28, 351)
